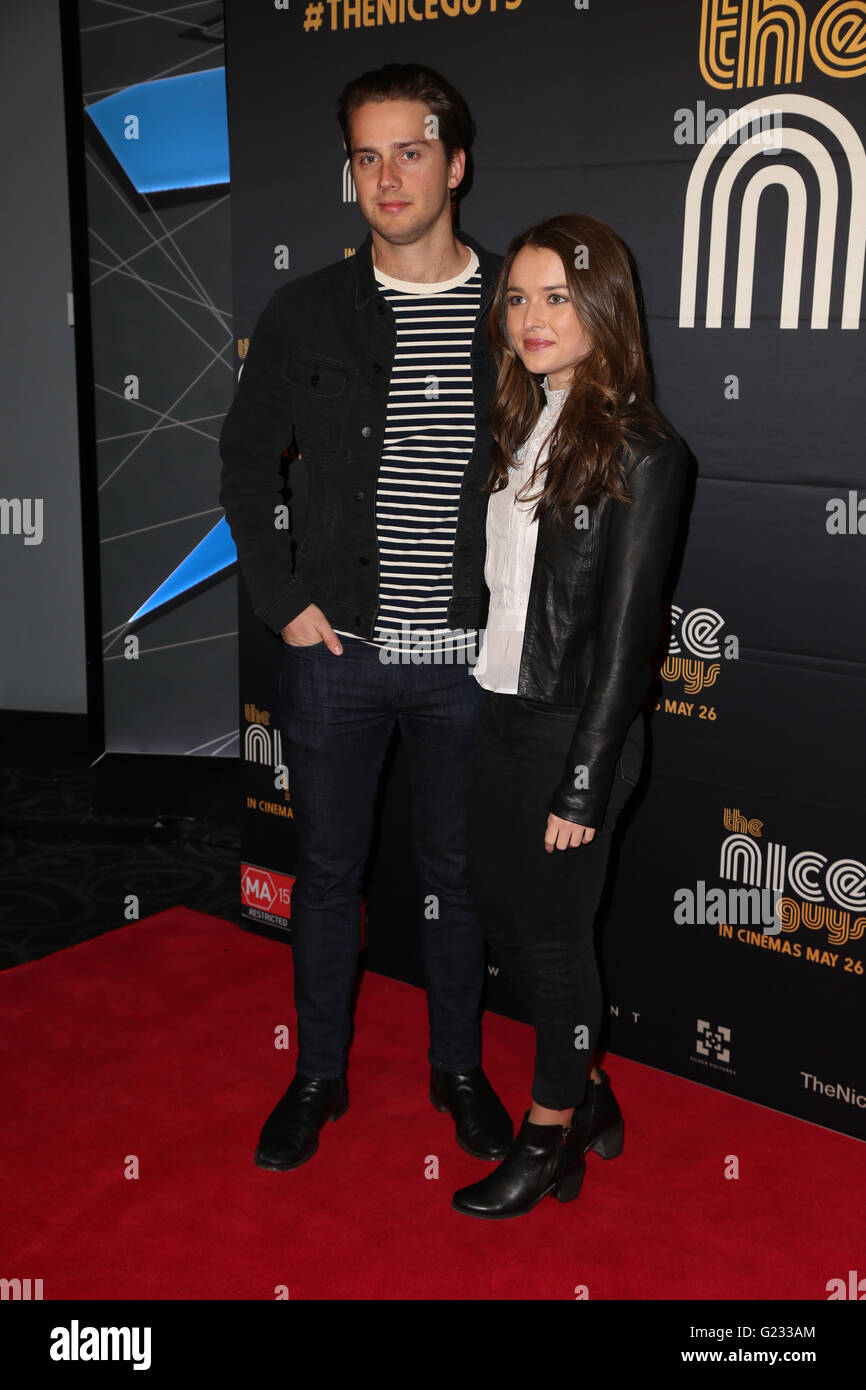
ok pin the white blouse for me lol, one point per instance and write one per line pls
(511, 540)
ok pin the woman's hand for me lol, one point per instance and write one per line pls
(563, 834)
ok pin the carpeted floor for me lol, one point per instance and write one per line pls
(149, 1050)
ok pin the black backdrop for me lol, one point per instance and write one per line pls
(756, 763)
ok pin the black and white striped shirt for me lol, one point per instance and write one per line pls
(429, 438)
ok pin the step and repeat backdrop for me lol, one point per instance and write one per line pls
(723, 140)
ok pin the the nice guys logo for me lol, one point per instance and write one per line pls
(693, 646)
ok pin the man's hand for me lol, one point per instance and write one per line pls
(308, 628)
(563, 834)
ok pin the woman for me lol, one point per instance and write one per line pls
(586, 484)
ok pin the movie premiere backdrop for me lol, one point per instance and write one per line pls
(723, 140)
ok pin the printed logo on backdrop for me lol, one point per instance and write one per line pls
(349, 193)
(693, 648)
(841, 1091)
(736, 39)
(818, 902)
(323, 16)
(266, 895)
(264, 745)
(732, 171)
(713, 1047)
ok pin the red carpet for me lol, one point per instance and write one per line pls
(156, 1040)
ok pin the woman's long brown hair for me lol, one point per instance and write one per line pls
(589, 445)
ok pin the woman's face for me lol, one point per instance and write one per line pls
(542, 323)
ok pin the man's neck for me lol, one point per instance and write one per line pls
(437, 256)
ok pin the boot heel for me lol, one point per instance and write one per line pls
(571, 1183)
(609, 1144)
(341, 1108)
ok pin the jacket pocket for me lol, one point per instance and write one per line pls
(318, 388)
(570, 712)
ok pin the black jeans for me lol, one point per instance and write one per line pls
(337, 714)
(537, 908)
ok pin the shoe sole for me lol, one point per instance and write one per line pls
(552, 1191)
(473, 1153)
(501, 1216)
(337, 1114)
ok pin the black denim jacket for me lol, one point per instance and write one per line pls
(319, 364)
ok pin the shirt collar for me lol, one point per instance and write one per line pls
(365, 280)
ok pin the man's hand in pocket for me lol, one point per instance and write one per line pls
(308, 628)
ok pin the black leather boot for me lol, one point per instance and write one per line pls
(291, 1132)
(601, 1118)
(543, 1160)
(484, 1127)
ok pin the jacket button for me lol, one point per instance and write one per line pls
(363, 559)
(314, 379)
(377, 366)
(380, 308)
(356, 622)
(359, 496)
(366, 431)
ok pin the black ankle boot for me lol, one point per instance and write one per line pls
(542, 1160)
(600, 1118)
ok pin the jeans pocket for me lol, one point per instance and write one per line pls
(630, 761)
(628, 768)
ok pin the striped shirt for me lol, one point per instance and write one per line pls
(429, 438)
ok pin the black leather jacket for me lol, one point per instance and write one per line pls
(593, 621)
(319, 365)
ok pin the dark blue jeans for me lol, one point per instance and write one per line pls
(337, 714)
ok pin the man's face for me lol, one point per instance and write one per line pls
(402, 178)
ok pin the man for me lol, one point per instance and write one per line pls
(378, 363)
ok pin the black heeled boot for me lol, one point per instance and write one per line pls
(542, 1160)
(600, 1118)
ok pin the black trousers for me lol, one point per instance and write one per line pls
(537, 908)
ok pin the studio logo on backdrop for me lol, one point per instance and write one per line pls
(737, 39)
(713, 1047)
(713, 1042)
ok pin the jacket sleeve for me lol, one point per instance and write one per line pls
(639, 546)
(257, 428)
